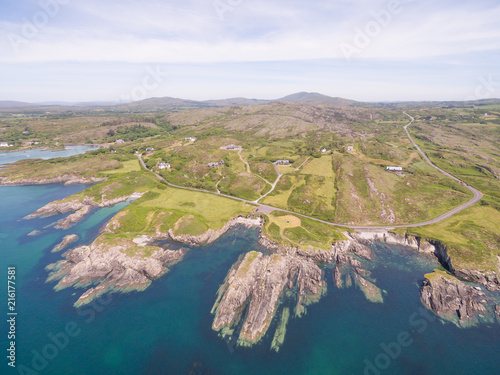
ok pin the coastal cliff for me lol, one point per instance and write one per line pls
(447, 294)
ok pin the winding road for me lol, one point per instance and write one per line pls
(267, 209)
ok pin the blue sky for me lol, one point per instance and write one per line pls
(71, 50)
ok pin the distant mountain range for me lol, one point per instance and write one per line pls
(168, 103)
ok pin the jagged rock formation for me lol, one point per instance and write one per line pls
(108, 263)
(80, 208)
(70, 238)
(253, 287)
(452, 299)
(260, 280)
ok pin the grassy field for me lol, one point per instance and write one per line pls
(125, 167)
(307, 234)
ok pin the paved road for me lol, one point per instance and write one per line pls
(267, 209)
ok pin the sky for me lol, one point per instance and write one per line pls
(367, 50)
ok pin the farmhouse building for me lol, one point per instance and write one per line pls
(394, 169)
(163, 165)
(231, 147)
(192, 139)
(282, 162)
(350, 148)
(4, 144)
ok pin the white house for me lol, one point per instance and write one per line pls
(192, 139)
(163, 165)
(394, 169)
(323, 150)
(5, 144)
(350, 148)
(282, 162)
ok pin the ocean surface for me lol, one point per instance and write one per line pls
(12, 156)
(167, 328)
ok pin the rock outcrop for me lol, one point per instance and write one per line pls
(258, 281)
(452, 299)
(70, 238)
(256, 284)
(112, 264)
(64, 179)
(80, 209)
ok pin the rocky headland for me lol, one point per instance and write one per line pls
(112, 264)
(79, 207)
(66, 179)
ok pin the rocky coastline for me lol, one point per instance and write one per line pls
(453, 300)
(213, 235)
(448, 294)
(80, 209)
(257, 284)
(64, 179)
(489, 279)
(107, 266)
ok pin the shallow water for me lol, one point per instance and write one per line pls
(167, 328)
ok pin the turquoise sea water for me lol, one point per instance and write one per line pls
(167, 328)
(12, 156)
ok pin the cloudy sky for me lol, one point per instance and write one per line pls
(371, 50)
